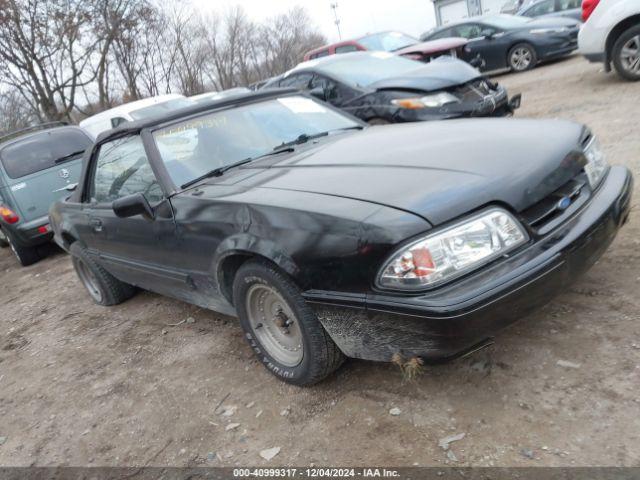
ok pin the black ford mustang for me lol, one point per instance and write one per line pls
(379, 87)
(329, 238)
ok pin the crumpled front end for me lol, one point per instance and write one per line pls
(479, 97)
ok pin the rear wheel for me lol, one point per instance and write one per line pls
(25, 255)
(4, 241)
(104, 288)
(282, 329)
(626, 54)
(522, 57)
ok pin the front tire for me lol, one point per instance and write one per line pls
(522, 57)
(626, 54)
(281, 328)
(103, 288)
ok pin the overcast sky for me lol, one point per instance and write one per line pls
(357, 17)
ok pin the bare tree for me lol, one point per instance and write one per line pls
(53, 52)
(284, 39)
(45, 48)
(14, 113)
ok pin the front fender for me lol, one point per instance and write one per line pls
(248, 244)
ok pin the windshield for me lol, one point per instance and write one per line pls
(196, 146)
(160, 108)
(41, 151)
(506, 22)
(364, 69)
(387, 41)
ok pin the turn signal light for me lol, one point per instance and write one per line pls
(8, 215)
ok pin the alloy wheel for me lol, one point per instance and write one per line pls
(630, 55)
(89, 280)
(274, 324)
(521, 59)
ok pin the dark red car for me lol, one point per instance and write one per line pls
(395, 42)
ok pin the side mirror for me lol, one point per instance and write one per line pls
(318, 92)
(488, 34)
(132, 205)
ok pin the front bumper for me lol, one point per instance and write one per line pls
(496, 105)
(451, 320)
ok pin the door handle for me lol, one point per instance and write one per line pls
(96, 224)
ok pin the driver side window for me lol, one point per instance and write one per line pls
(122, 168)
(469, 31)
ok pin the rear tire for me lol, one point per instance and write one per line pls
(626, 54)
(26, 255)
(103, 288)
(522, 57)
(4, 241)
(281, 328)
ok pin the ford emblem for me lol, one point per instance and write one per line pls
(64, 173)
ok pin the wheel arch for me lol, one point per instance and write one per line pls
(232, 253)
(615, 33)
(67, 239)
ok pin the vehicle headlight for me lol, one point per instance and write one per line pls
(596, 165)
(428, 101)
(442, 256)
(545, 31)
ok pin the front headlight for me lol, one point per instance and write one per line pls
(428, 101)
(596, 165)
(459, 249)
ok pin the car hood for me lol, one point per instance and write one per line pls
(437, 170)
(443, 72)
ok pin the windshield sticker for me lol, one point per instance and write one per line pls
(18, 186)
(302, 105)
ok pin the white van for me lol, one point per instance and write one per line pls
(128, 112)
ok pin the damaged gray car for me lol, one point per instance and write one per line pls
(380, 87)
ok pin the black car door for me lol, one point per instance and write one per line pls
(485, 41)
(135, 249)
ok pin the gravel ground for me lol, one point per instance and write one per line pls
(87, 385)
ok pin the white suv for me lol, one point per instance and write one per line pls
(611, 34)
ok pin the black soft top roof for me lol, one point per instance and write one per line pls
(200, 107)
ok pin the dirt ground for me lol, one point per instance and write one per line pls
(87, 385)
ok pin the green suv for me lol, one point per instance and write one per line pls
(38, 166)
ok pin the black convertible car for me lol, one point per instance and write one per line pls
(508, 41)
(380, 87)
(329, 238)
